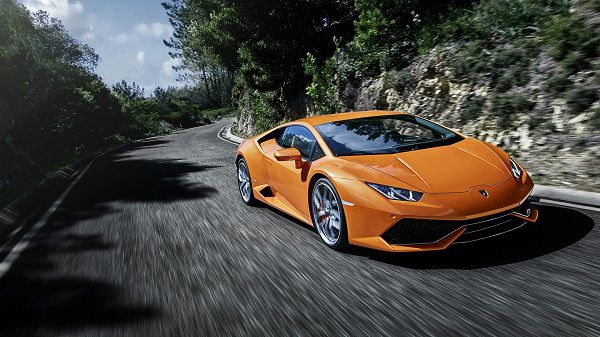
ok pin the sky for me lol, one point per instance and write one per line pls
(126, 34)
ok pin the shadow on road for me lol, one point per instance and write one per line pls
(35, 299)
(44, 293)
(29, 305)
(122, 177)
(557, 228)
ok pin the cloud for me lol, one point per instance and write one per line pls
(167, 67)
(70, 13)
(156, 29)
(123, 38)
(61, 9)
(140, 57)
(89, 35)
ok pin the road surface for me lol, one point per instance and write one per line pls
(155, 241)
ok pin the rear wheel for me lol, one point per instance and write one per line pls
(244, 182)
(328, 214)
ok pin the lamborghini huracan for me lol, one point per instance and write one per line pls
(385, 180)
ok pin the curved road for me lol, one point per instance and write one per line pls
(155, 241)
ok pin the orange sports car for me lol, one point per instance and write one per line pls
(386, 180)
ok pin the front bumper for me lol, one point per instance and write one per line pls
(413, 232)
(438, 220)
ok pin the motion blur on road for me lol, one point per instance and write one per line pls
(156, 241)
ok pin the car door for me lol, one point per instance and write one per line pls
(288, 182)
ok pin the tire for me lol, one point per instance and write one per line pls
(327, 213)
(245, 182)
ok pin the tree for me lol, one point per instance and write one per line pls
(51, 102)
(128, 91)
(263, 41)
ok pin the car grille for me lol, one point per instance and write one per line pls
(419, 231)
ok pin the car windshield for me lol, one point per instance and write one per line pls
(383, 135)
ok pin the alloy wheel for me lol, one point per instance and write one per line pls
(326, 213)
(244, 181)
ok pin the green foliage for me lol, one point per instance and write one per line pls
(473, 108)
(264, 107)
(595, 120)
(264, 41)
(399, 80)
(54, 108)
(146, 116)
(322, 88)
(536, 121)
(388, 33)
(51, 102)
(264, 45)
(581, 98)
(216, 114)
(503, 19)
(507, 64)
(510, 68)
(504, 106)
(558, 84)
(572, 41)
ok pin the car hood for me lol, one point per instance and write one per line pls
(446, 169)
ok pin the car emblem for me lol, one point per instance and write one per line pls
(484, 193)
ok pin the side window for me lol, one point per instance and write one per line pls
(285, 140)
(302, 139)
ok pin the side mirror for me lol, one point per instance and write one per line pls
(289, 154)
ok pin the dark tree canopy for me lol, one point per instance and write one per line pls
(264, 41)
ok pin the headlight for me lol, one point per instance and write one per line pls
(516, 170)
(395, 193)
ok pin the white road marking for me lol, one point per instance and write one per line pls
(568, 204)
(24, 242)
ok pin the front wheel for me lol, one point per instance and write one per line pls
(328, 214)
(244, 182)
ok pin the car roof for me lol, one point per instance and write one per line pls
(316, 120)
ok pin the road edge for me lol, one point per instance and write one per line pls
(566, 197)
(20, 243)
(541, 193)
(226, 135)
(19, 217)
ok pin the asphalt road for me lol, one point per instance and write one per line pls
(155, 241)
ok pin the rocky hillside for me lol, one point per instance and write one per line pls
(557, 140)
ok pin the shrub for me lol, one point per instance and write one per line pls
(472, 108)
(399, 80)
(572, 41)
(537, 121)
(267, 110)
(460, 68)
(504, 106)
(215, 114)
(322, 88)
(580, 98)
(558, 84)
(510, 66)
(595, 120)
